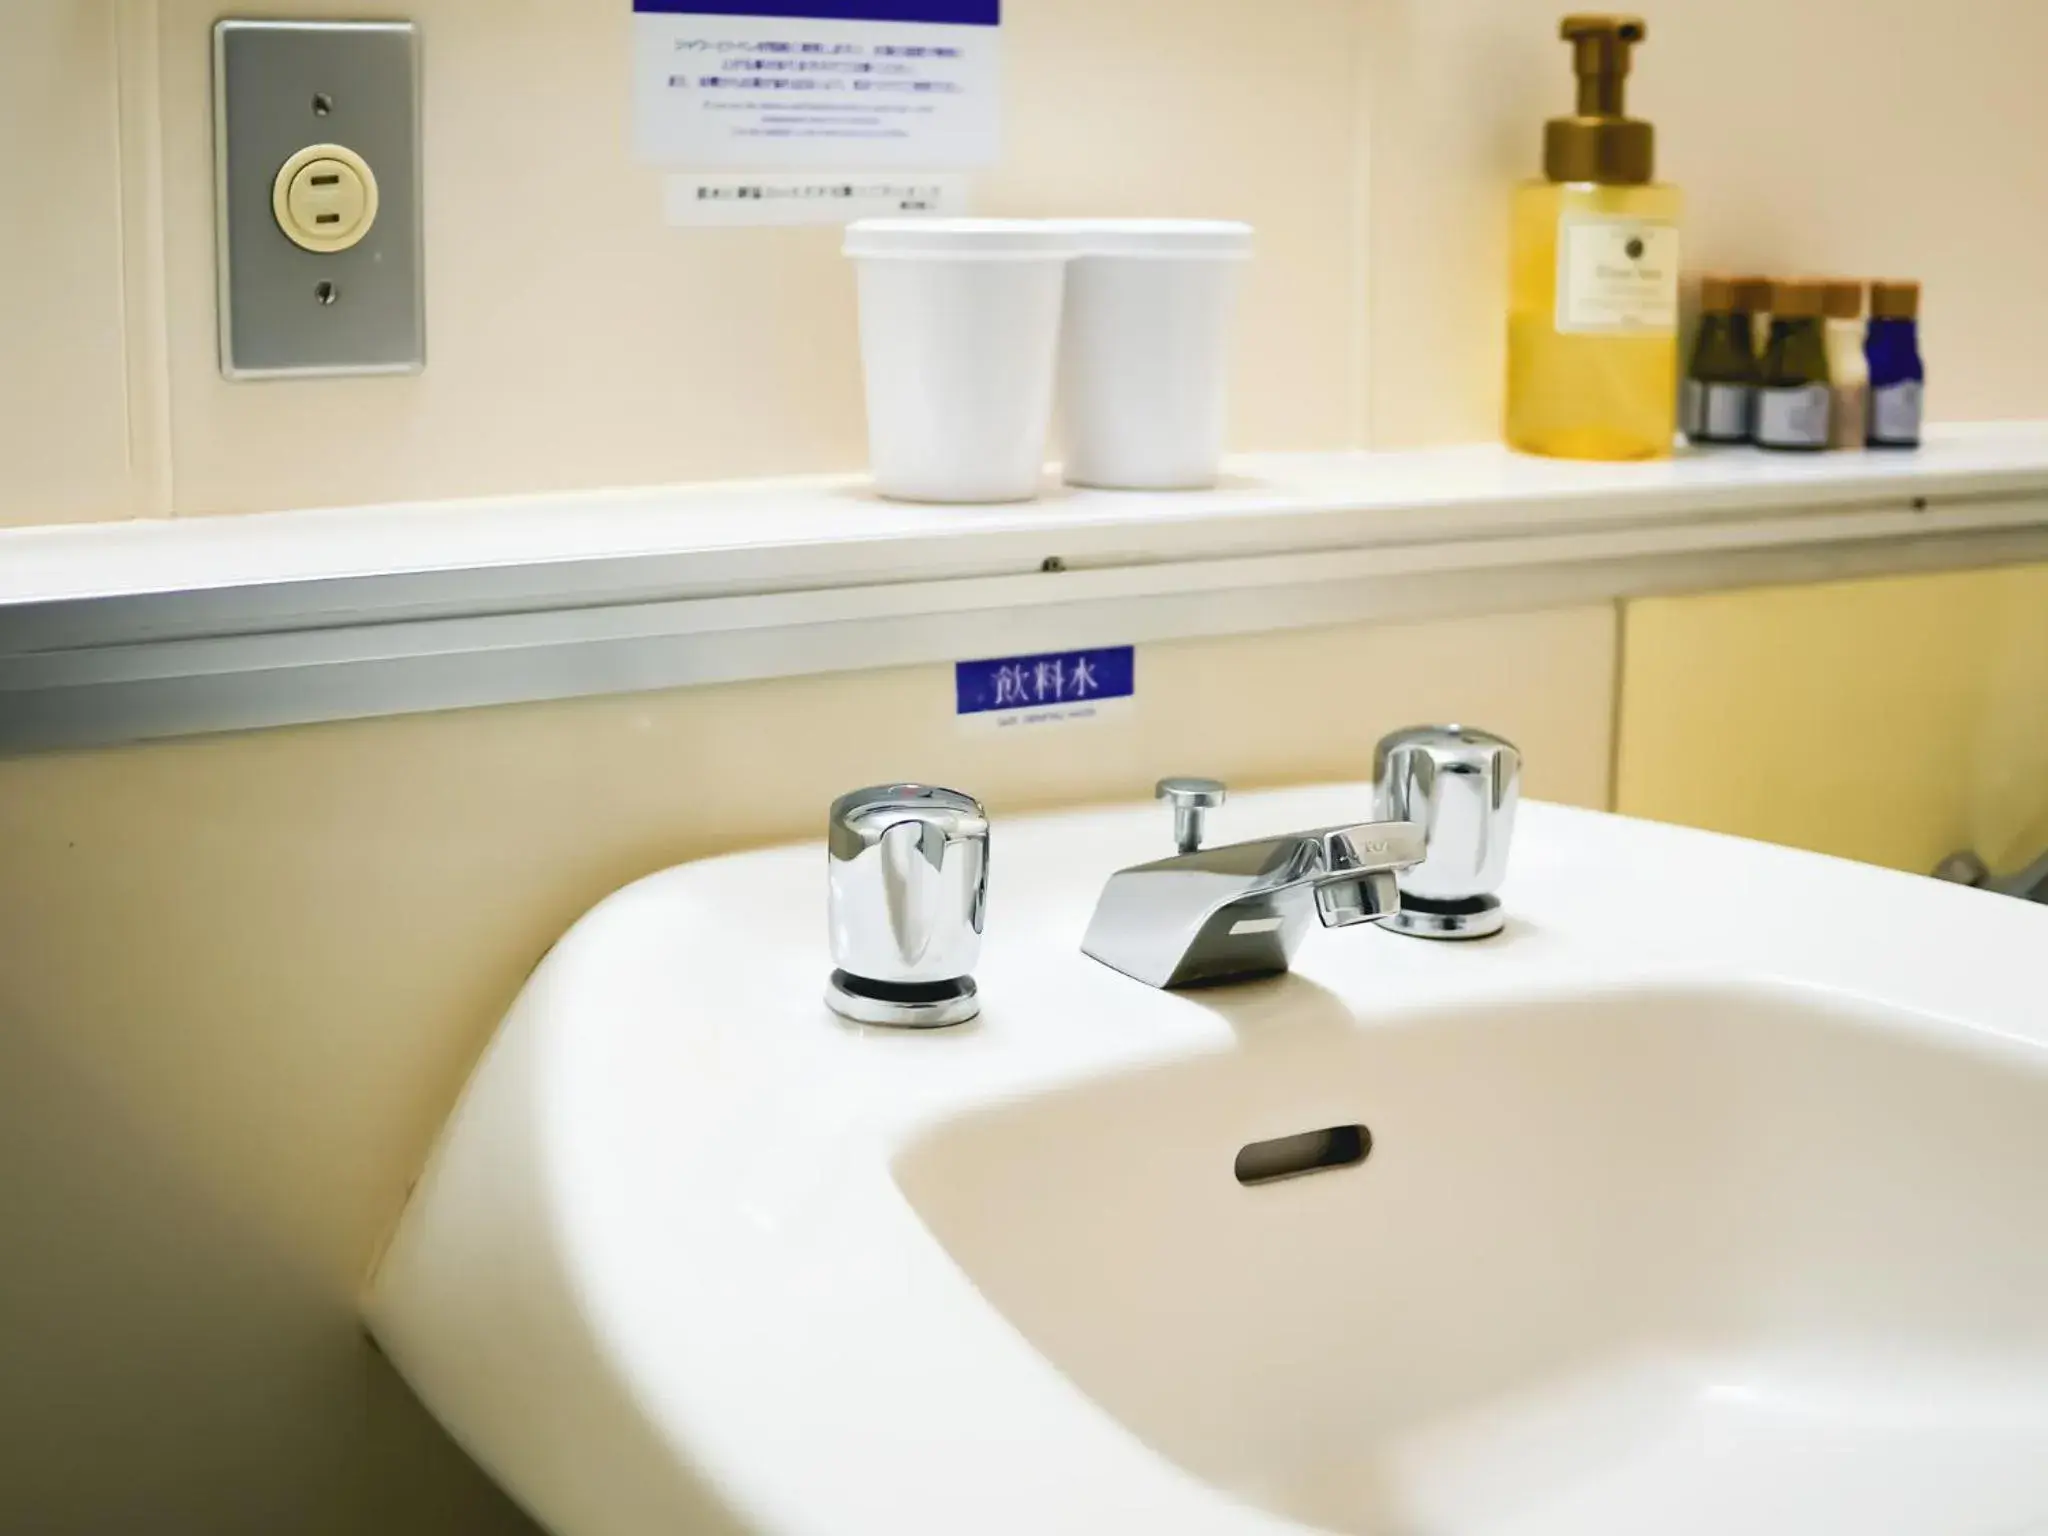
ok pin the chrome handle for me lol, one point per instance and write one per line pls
(907, 893)
(1368, 898)
(1462, 786)
(913, 861)
(1361, 864)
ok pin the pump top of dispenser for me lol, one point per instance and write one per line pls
(1600, 142)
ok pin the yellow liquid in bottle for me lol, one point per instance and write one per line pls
(1583, 394)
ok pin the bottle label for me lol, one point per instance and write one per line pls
(1716, 413)
(1851, 410)
(1895, 412)
(1617, 276)
(1794, 416)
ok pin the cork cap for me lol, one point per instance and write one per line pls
(1895, 300)
(1600, 142)
(1843, 299)
(1798, 298)
(1753, 294)
(1719, 293)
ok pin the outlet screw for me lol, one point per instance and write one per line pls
(326, 293)
(323, 104)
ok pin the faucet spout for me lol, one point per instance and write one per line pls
(1240, 911)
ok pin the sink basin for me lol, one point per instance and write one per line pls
(1710, 1197)
(1675, 1259)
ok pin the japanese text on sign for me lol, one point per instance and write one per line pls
(816, 84)
(1058, 685)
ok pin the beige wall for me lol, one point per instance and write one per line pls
(1373, 142)
(241, 979)
(598, 346)
(64, 452)
(1896, 720)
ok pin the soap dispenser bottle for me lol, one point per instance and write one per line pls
(1593, 296)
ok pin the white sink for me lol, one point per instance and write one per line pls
(1712, 1197)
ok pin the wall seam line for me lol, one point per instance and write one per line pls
(1617, 684)
(1360, 364)
(145, 317)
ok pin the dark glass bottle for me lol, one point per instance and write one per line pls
(1719, 396)
(1793, 402)
(1897, 377)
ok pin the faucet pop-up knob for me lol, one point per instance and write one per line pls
(1192, 800)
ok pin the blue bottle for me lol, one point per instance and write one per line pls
(1897, 378)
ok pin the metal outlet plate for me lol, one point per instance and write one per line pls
(280, 87)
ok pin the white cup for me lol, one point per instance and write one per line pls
(959, 332)
(1145, 350)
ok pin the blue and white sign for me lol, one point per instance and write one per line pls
(817, 84)
(1005, 692)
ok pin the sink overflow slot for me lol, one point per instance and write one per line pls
(1341, 1146)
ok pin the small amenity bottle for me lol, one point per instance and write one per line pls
(1848, 374)
(1719, 392)
(1897, 379)
(1593, 289)
(1792, 398)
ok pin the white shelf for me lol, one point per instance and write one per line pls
(124, 631)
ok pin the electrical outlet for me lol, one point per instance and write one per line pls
(317, 190)
(325, 198)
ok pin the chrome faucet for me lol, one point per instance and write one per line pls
(1240, 911)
